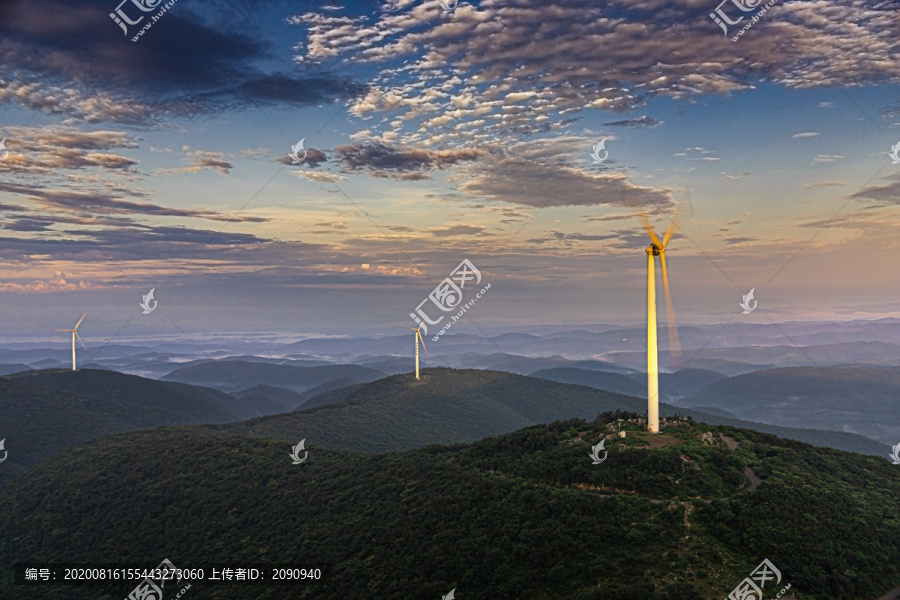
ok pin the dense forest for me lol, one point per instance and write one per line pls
(676, 516)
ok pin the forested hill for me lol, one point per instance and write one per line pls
(676, 516)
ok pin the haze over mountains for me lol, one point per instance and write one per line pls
(732, 349)
(231, 410)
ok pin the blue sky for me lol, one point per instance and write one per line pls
(437, 136)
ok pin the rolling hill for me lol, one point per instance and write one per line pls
(200, 404)
(448, 405)
(860, 400)
(684, 515)
(270, 399)
(601, 380)
(43, 413)
(236, 375)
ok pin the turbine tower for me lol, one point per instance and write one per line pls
(658, 248)
(74, 333)
(416, 337)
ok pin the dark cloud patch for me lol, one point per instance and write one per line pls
(642, 121)
(883, 194)
(385, 159)
(284, 89)
(184, 64)
(93, 203)
(28, 225)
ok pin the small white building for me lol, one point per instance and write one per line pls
(621, 434)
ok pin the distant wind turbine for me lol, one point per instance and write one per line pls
(74, 333)
(416, 337)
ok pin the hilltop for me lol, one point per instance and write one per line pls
(45, 412)
(680, 516)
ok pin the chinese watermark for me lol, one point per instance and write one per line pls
(449, 5)
(6, 152)
(5, 452)
(148, 588)
(296, 159)
(295, 452)
(595, 152)
(895, 154)
(595, 452)
(894, 449)
(751, 587)
(148, 297)
(123, 21)
(745, 6)
(448, 296)
(748, 298)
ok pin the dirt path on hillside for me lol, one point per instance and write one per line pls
(730, 442)
(754, 480)
(891, 595)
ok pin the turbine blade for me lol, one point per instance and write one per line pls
(674, 345)
(419, 333)
(668, 234)
(66, 330)
(79, 339)
(646, 223)
(685, 204)
(410, 328)
(81, 319)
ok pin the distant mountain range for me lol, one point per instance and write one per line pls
(671, 385)
(237, 375)
(858, 400)
(735, 361)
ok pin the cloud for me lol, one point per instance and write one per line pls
(527, 183)
(384, 159)
(741, 176)
(54, 148)
(884, 195)
(469, 76)
(642, 121)
(317, 176)
(83, 203)
(67, 59)
(826, 158)
(454, 230)
(200, 160)
(805, 134)
(821, 185)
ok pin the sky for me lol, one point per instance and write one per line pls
(433, 135)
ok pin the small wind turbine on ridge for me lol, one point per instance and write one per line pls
(74, 333)
(416, 337)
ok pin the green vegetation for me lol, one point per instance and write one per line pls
(521, 515)
(45, 412)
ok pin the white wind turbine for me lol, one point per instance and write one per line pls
(74, 333)
(416, 337)
(656, 248)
